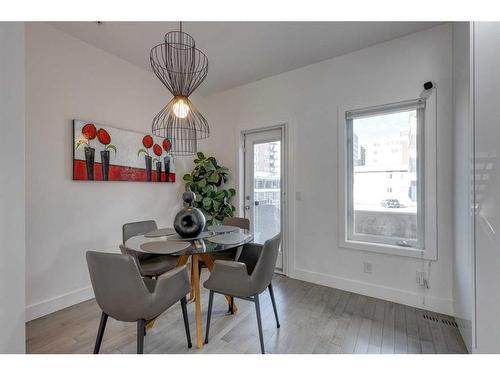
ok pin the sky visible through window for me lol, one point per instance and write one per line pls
(381, 127)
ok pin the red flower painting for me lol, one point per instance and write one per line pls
(136, 157)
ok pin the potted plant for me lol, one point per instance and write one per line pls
(147, 142)
(105, 139)
(206, 181)
(157, 151)
(89, 133)
(167, 146)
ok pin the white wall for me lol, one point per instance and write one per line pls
(308, 100)
(487, 184)
(463, 218)
(12, 182)
(67, 79)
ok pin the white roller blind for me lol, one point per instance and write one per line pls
(388, 108)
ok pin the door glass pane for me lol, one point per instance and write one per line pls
(267, 190)
(384, 160)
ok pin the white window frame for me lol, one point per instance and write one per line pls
(426, 189)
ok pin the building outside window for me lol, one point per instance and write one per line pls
(382, 143)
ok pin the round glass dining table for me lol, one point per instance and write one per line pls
(197, 249)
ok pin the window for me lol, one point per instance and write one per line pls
(381, 210)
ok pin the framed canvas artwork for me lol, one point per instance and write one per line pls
(105, 153)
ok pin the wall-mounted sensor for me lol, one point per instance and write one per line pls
(428, 85)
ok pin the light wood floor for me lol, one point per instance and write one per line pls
(314, 319)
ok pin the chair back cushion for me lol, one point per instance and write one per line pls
(239, 222)
(139, 227)
(263, 272)
(119, 289)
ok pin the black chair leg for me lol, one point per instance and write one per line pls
(209, 314)
(231, 307)
(271, 292)
(100, 332)
(141, 324)
(259, 322)
(186, 321)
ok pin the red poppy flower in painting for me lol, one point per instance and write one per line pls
(157, 150)
(147, 141)
(105, 139)
(89, 131)
(103, 136)
(166, 144)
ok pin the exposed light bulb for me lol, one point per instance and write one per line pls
(181, 108)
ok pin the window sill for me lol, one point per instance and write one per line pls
(386, 249)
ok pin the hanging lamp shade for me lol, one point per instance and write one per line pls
(181, 67)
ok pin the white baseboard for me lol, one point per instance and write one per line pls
(51, 305)
(439, 305)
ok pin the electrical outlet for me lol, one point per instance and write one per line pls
(367, 267)
(422, 278)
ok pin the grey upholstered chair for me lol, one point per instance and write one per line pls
(123, 294)
(246, 279)
(240, 222)
(233, 254)
(149, 265)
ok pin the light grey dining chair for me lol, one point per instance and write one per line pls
(246, 279)
(124, 295)
(150, 265)
(240, 222)
(233, 254)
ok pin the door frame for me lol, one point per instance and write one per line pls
(285, 182)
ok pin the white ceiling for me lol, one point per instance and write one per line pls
(243, 52)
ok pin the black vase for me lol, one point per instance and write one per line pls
(105, 165)
(166, 160)
(89, 161)
(189, 222)
(158, 171)
(148, 160)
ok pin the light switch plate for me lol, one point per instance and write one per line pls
(367, 267)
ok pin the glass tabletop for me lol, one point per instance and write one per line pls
(214, 242)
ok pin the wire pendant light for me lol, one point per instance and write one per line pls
(181, 67)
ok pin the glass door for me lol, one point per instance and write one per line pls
(263, 185)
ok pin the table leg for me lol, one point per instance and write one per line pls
(210, 265)
(197, 301)
(191, 294)
(182, 260)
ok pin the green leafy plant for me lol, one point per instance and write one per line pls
(206, 181)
